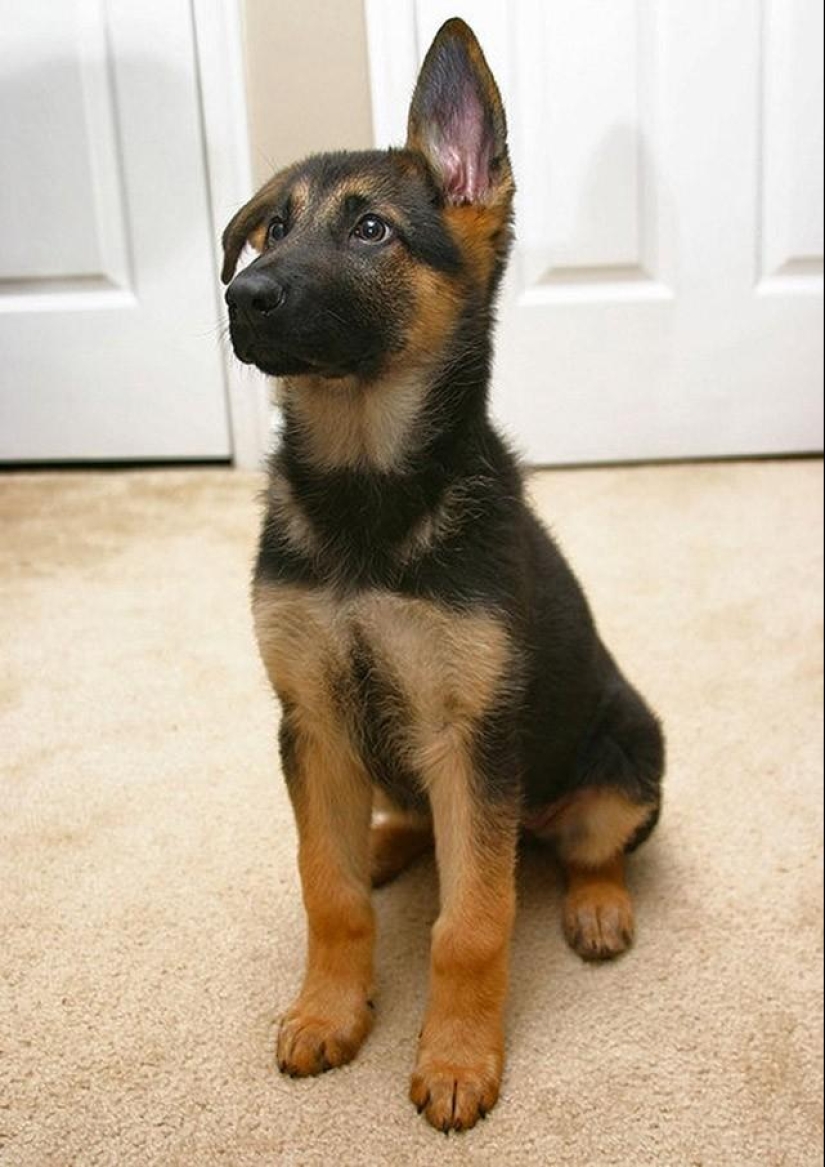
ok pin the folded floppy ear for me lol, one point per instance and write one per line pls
(236, 234)
(242, 227)
(457, 120)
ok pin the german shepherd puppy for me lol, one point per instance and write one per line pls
(438, 668)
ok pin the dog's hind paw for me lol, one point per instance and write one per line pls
(598, 922)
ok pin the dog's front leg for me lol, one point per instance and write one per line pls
(461, 1048)
(332, 799)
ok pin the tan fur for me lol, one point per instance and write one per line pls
(397, 838)
(449, 666)
(589, 828)
(441, 671)
(299, 196)
(257, 238)
(332, 800)
(461, 1049)
(457, 506)
(438, 300)
(344, 423)
(477, 230)
(300, 637)
(297, 527)
(327, 206)
(598, 912)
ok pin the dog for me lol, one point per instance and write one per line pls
(439, 673)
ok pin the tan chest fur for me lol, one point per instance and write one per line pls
(448, 666)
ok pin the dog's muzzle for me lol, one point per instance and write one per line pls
(254, 299)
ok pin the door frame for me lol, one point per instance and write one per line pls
(221, 72)
(392, 44)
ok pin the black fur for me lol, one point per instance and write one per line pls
(374, 707)
(424, 632)
(343, 310)
(567, 718)
(574, 720)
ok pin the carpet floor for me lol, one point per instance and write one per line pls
(151, 928)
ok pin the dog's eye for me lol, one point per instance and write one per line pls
(372, 229)
(277, 230)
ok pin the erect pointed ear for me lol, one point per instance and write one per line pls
(457, 120)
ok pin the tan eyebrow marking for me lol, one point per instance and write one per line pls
(299, 196)
(375, 200)
(257, 238)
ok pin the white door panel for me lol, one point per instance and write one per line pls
(665, 296)
(108, 305)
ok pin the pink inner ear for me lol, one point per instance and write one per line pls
(462, 149)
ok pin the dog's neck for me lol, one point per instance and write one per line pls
(368, 478)
(388, 425)
(347, 424)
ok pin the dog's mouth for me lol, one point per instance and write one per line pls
(279, 362)
(275, 362)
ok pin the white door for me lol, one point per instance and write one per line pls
(108, 298)
(665, 297)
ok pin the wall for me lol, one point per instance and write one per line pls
(307, 80)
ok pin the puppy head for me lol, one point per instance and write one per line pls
(365, 260)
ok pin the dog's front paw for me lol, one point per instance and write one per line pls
(454, 1094)
(317, 1036)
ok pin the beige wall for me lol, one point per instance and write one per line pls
(307, 80)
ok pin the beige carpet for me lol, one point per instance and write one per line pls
(151, 927)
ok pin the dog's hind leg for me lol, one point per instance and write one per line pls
(612, 811)
(592, 830)
(597, 915)
(397, 838)
(612, 808)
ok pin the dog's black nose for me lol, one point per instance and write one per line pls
(255, 294)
